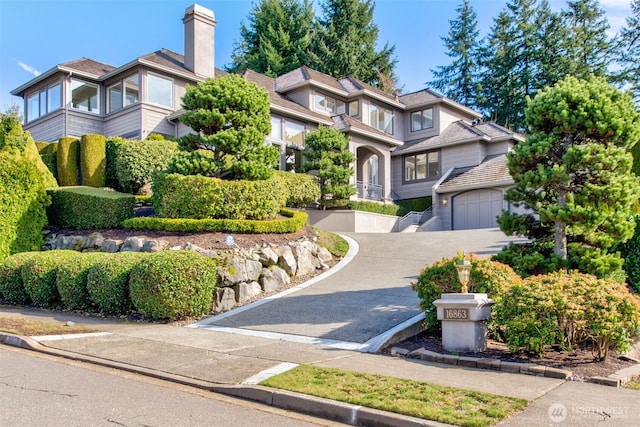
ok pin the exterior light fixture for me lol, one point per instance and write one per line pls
(444, 201)
(464, 272)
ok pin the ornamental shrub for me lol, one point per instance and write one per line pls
(568, 309)
(108, 208)
(93, 160)
(135, 162)
(298, 189)
(108, 281)
(294, 222)
(112, 146)
(631, 253)
(173, 285)
(39, 275)
(198, 162)
(199, 197)
(71, 280)
(490, 277)
(67, 161)
(11, 285)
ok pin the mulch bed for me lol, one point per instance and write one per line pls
(581, 361)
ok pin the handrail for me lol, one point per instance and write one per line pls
(415, 218)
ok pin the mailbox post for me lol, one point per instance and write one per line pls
(464, 316)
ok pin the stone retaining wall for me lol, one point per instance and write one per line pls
(243, 274)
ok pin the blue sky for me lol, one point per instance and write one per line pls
(36, 35)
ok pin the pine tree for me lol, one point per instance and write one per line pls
(459, 80)
(327, 154)
(628, 52)
(589, 48)
(277, 38)
(344, 44)
(230, 117)
(573, 173)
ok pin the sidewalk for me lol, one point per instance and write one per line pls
(232, 360)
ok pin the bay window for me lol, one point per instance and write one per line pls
(160, 90)
(44, 101)
(85, 96)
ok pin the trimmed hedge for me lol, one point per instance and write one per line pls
(89, 208)
(298, 189)
(294, 222)
(108, 281)
(630, 251)
(39, 275)
(173, 285)
(199, 197)
(67, 161)
(31, 153)
(111, 151)
(93, 160)
(568, 309)
(392, 209)
(490, 277)
(11, 285)
(135, 162)
(23, 199)
(71, 280)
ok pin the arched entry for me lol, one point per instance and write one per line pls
(370, 174)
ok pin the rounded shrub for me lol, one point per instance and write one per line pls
(11, 285)
(108, 281)
(173, 285)
(490, 277)
(568, 309)
(298, 189)
(137, 161)
(71, 280)
(39, 275)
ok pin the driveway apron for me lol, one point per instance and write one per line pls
(367, 297)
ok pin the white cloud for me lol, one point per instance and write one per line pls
(29, 69)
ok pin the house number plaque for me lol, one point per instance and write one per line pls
(456, 314)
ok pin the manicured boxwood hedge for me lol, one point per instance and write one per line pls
(93, 160)
(199, 197)
(173, 285)
(67, 161)
(298, 189)
(11, 284)
(39, 275)
(108, 281)
(294, 222)
(71, 280)
(89, 208)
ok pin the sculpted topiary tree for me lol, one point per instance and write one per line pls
(327, 153)
(573, 173)
(230, 116)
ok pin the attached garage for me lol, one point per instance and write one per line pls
(477, 209)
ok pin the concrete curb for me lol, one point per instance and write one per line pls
(296, 402)
(485, 363)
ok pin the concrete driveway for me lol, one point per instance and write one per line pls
(366, 298)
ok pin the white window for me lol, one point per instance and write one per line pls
(85, 96)
(160, 90)
(421, 120)
(294, 132)
(354, 108)
(44, 101)
(381, 118)
(131, 90)
(276, 128)
(328, 104)
(114, 97)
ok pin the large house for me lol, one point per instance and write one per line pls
(409, 146)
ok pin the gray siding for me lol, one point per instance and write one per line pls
(461, 155)
(123, 122)
(49, 128)
(407, 191)
(154, 120)
(84, 123)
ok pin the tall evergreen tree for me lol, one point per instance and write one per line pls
(510, 60)
(589, 48)
(459, 80)
(628, 52)
(344, 44)
(277, 38)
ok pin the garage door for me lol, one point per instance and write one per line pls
(477, 209)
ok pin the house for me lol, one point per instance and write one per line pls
(410, 146)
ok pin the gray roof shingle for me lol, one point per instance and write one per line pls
(491, 171)
(89, 66)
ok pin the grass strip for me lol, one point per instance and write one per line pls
(30, 327)
(417, 399)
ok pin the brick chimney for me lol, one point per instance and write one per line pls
(199, 46)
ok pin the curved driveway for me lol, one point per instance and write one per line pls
(369, 296)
